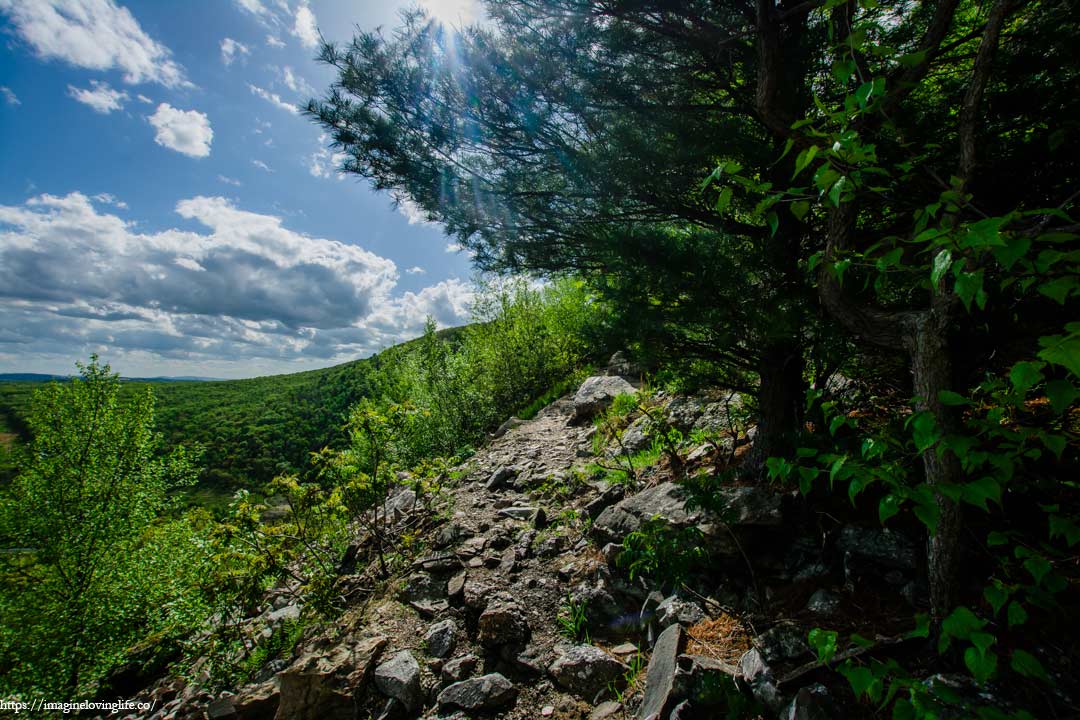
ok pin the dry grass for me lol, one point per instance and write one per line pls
(722, 638)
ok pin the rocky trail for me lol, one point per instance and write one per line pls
(516, 606)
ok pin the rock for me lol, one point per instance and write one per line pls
(601, 608)
(507, 426)
(879, 545)
(660, 677)
(500, 477)
(810, 703)
(399, 504)
(597, 393)
(459, 668)
(257, 702)
(823, 602)
(785, 641)
(321, 683)
(606, 710)
(439, 563)
(501, 624)
(609, 497)
(676, 610)
(586, 670)
(520, 513)
(487, 692)
(450, 534)
(220, 708)
(635, 438)
(683, 412)
(755, 673)
(547, 711)
(399, 678)
(455, 588)
(440, 638)
(620, 364)
(423, 587)
(742, 506)
(289, 612)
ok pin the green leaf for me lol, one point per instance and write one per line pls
(888, 507)
(837, 188)
(864, 92)
(968, 287)
(889, 259)
(961, 623)
(836, 423)
(799, 209)
(861, 679)
(774, 222)
(977, 492)
(928, 514)
(1059, 289)
(1013, 249)
(824, 644)
(1038, 566)
(1025, 664)
(1063, 350)
(981, 664)
(1061, 394)
(1024, 375)
(1017, 614)
(805, 158)
(997, 539)
(985, 233)
(942, 262)
(996, 595)
(948, 397)
(724, 200)
(925, 431)
(922, 626)
(1055, 443)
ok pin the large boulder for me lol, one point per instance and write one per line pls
(399, 678)
(484, 693)
(597, 393)
(586, 670)
(739, 506)
(878, 545)
(321, 683)
(503, 624)
(440, 638)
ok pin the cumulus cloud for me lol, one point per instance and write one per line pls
(110, 199)
(96, 35)
(294, 82)
(416, 270)
(99, 96)
(185, 131)
(232, 49)
(324, 162)
(9, 95)
(274, 42)
(305, 27)
(412, 212)
(76, 279)
(274, 99)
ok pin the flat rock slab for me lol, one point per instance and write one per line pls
(660, 677)
(484, 693)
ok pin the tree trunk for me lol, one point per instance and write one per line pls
(781, 395)
(927, 343)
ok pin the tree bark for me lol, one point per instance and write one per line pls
(780, 401)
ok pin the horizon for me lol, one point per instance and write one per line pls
(168, 208)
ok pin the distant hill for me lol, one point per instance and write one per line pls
(250, 430)
(40, 377)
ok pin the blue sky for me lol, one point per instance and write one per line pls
(163, 204)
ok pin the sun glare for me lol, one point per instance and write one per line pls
(452, 12)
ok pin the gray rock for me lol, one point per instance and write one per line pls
(823, 602)
(507, 426)
(487, 692)
(683, 412)
(597, 393)
(635, 438)
(450, 534)
(676, 610)
(289, 612)
(586, 670)
(399, 503)
(609, 497)
(500, 477)
(809, 703)
(756, 674)
(785, 641)
(440, 638)
(321, 683)
(519, 513)
(606, 710)
(423, 587)
(741, 506)
(502, 624)
(660, 677)
(879, 545)
(459, 668)
(399, 678)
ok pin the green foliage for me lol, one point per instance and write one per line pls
(87, 569)
(661, 552)
(573, 619)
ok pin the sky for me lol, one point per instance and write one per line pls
(164, 205)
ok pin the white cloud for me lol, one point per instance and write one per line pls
(185, 131)
(143, 99)
(453, 247)
(416, 270)
(232, 49)
(305, 27)
(452, 12)
(274, 42)
(262, 166)
(412, 212)
(324, 163)
(229, 181)
(294, 82)
(110, 199)
(274, 99)
(255, 7)
(75, 280)
(100, 96)
(93, 34)
(9, 95)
